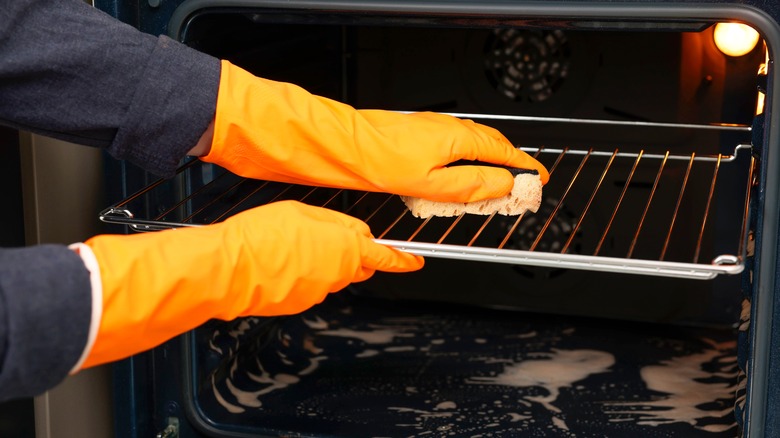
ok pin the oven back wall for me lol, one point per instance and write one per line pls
(563, 73)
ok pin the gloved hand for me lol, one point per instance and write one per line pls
(278, 131)
(277, 259)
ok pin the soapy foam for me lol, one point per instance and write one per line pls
(446, 405)
(367, 353)
(379, 336)
(420, 413)
(230, 407)
(686, 387)
(559, 369)
(548, 373)
(556, 371)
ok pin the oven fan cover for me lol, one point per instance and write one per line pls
(527, 65)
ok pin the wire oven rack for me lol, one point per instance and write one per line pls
(603, 210)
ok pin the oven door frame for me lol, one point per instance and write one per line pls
(764, 404)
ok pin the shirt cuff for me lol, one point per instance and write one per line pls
(91, 263)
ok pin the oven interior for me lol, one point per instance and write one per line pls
(647, 134)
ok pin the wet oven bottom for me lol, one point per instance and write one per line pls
(360, 366)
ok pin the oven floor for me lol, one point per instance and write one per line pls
(358, 367)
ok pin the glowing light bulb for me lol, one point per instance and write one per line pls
(735, 39)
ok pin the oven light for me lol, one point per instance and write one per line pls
(735, 39)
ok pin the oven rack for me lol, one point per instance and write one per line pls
(630, 212)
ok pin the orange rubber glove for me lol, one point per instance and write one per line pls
(278, 131)
(278, 259)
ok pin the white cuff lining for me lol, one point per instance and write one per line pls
(91, 263)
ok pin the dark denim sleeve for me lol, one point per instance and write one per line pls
(70, 71)
(45, 309)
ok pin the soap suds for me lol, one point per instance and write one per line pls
(379, 336)
(313, 365)
(399, 349)
(686, 387)
(316, 324)
(434, 378)
(422, 414)
(367, 353)
(230, 407)
(446, 405)
(559, 369)
(555, 371)
(515, 417)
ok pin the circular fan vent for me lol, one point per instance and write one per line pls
(527, 65)
(555, 235)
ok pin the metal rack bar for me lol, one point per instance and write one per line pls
(647, 208)
(152, 186)
(398, 219)
(245, 198)
(449, 230)
(743, 234)
(706, 212)
(389, 197)
(677, 207)
(592, 182)
(306, 196)
(617, 206)
(417, 231)
(511, 231)
(190, 197)
(721, 265)
(668, 156)
(362, 197)
(335, 195)
(590, 201)
(215, 199)
(514, 118)
(481, 229)
(560, 202)
(123, 217)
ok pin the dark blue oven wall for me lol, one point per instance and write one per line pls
(142, 407)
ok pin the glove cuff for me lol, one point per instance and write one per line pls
(219, 153)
